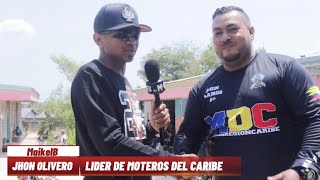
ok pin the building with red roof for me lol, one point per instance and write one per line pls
(11, 97)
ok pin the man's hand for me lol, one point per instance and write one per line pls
(186, 177)
(161, 118)
(289, 174)
(188, 155)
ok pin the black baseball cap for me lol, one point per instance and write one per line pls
(117, 16)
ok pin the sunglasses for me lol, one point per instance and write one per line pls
(125, 34)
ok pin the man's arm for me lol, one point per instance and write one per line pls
(103, 129)
(303, 98)
(192, 130)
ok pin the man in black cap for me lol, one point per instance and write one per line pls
(108, 118)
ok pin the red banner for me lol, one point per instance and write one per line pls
(172, 166)
(61, 166)
(125, 166)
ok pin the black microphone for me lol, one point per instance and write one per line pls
(155, 86)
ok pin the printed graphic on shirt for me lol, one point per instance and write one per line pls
(257, 81)
(240, 122)
(313, 93)
(134, 123)
(212, 92)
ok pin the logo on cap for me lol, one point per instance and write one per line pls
(128, 14)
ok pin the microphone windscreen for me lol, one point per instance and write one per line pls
(152, 70)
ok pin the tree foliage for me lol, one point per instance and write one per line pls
(209, 59)
(66, 66)
(261, 49)
(58, 105)
(181, 60)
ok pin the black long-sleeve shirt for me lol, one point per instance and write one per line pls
(108, 118)
(267, 112)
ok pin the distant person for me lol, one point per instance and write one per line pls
(5, 144)
(262, 107)
(18, 131)
(63, 138)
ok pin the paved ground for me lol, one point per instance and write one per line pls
(31, 139)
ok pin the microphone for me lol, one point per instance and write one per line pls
(155, 86)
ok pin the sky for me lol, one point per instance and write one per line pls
(32, 31)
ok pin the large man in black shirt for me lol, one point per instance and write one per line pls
(260, 106)
(108, 118)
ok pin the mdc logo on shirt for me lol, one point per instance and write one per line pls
(241, 120)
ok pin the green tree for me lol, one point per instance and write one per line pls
(66, 66)
(261, 49)
(209, 59)
(58, 105)
(181, 60)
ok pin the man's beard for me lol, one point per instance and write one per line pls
(243, 53)
(232, 57)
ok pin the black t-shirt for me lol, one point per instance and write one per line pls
(108, 119)
(258, 112)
